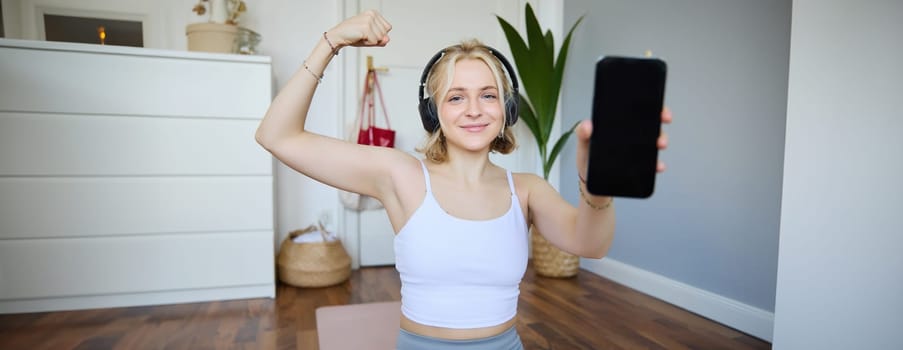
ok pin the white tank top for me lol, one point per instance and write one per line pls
(458, 273)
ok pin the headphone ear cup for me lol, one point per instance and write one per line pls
(428, 115)
(511, 109)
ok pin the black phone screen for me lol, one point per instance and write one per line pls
(627, 106)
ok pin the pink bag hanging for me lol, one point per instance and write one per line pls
(371, 134)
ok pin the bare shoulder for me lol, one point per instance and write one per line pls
(407, 179)
(405, 167)
(526, 181)
(533, 188)
(529, 183)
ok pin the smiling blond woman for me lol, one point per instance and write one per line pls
(460, 220)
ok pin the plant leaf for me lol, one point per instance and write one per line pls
(536, 40)
(541, 68)
(523, 59)
(550, 43)
(558, 76)
(529, 117)
(541, 76)
(559, 145)
(518, 47)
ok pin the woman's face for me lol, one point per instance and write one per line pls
(471, 114)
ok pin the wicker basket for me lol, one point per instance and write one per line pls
(549, 261)
(318, 264)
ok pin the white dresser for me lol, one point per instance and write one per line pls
(131, 176)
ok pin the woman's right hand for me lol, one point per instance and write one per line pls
(368, 28)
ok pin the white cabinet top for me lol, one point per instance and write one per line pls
(128, 51)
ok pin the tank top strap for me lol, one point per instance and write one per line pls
(511, 182)
(426, 177)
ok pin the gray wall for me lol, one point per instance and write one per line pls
(840, 280)
(713, 221)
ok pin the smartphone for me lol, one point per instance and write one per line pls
(627, 106)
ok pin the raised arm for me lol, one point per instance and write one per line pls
(337, 163)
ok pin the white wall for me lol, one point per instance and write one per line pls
(840, 272)
(707, 240)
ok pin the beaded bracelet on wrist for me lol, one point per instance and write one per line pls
(335, 49)
(319, 77)
(586, 198)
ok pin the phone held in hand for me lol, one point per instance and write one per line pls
(627, 107)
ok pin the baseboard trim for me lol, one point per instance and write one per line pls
(743, 317)
(136, 299)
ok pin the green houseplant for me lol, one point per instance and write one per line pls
(541, 77)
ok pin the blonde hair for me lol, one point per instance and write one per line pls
(437, 86)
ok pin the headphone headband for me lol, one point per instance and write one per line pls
(428, 111)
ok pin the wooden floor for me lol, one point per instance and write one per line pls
(585, 312)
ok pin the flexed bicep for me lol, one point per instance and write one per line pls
(344, 165)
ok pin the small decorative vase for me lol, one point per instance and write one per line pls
(219, 11)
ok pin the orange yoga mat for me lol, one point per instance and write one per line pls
(358, 326)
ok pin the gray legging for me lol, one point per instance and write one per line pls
(507, 340)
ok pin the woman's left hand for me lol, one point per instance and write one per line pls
(585, 129)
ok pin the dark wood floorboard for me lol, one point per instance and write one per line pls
(585, 312)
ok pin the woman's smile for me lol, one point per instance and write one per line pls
(474, 127)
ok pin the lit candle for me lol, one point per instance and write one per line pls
(102, 33)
